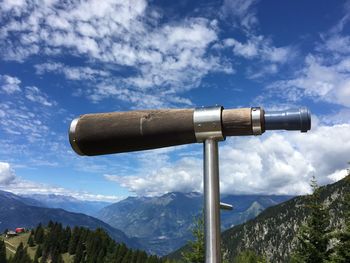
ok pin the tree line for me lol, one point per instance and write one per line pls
(84, 245)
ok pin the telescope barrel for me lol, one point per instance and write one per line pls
(116, 132)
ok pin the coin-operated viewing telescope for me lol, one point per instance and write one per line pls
(117, 132)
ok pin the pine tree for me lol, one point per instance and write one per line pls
(21, 255)
(50, 224)
(314, 236)
(141, 257)
(196, 252)
(2, 252)
(38, 253)
(127, 257)
(74, 241)
(120, 253)
(30, 241)
(65, 242)
(39, 235)
(79, 253)
(56, 257)
(110, 256)
(342, 249)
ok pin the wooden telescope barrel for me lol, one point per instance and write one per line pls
(116, 132)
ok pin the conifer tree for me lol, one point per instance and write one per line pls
(56, 257)
(120, 252)
(79, 252)
(2, 252)
(141, 257)
(314, 236)
(38, 254)
(342, 249)
(74, 241)
(39, 235)
(110, 256)
(21, 255)
(66, 238)
(50, 224)
(196, 252)
(31, 241)
(127, 257)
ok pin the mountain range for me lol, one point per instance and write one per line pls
(17, 211)
(163, 224)
(67, 203)
(158, 225)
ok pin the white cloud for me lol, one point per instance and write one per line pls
(337, 43)
(9, 84)
(320, 79)
(20, 120)
(338, 175)
(184, 176)
(10, 182)
(241, 12)
(342, 116)
(258, 47)
(325, 74)
(27, 121)
(71, 73)
(36, 95)
(277, 163)
(165, 58)
(267, 58)
(6, 174)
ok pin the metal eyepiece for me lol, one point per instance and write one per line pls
(297, 119)
(72, 137)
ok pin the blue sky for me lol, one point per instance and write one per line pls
(61, 59)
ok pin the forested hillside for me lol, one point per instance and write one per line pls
(57, 244)
(274, 233)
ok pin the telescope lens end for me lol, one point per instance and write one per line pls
(72, 137)
(305, 119)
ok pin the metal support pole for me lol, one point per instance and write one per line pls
(211, 201)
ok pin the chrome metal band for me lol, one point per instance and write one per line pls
(256, 121)
(72, 140)
(207, 123)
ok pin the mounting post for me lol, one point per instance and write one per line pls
(208, 129)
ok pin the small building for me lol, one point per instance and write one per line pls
(10, 234)
(20, 230)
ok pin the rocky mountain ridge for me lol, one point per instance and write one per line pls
(163, 223)
(273, 233)
(67, 203)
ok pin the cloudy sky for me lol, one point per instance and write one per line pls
(63, 58)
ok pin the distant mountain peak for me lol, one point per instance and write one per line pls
(171, 215)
